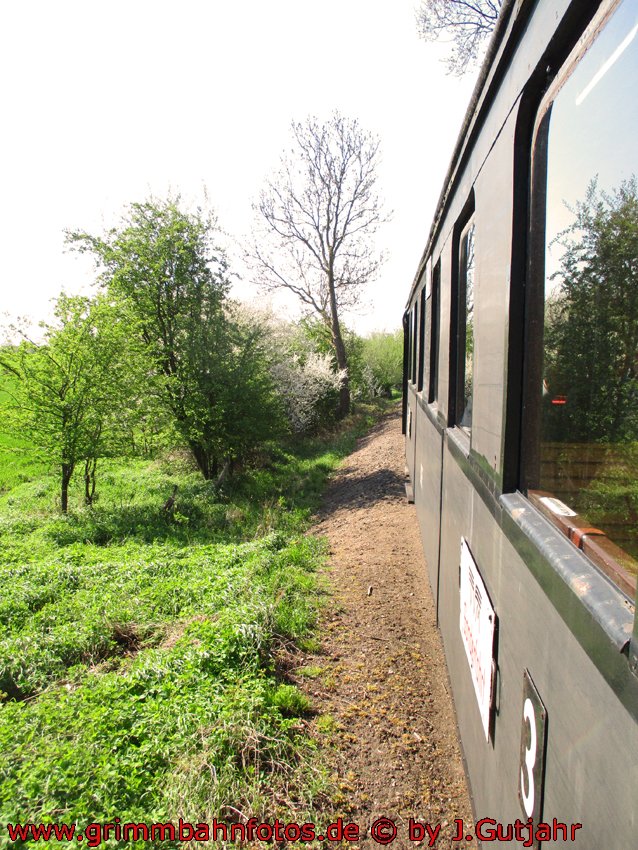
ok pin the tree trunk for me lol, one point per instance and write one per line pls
(90, 466)
(223, 475)
(67, 472)
(206, 463)
(340, 352)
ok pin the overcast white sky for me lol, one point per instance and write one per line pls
(103, 103)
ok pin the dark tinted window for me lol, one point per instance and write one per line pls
(410, 343)
(434, 334)
(415, 339)
(422, 320)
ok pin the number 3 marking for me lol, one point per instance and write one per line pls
(530, 759)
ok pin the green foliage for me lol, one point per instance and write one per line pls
(17, 460)
(289, 700)
(162, 264)
(309, 672)
(383, 355)
(375, 362)
(252, 409)
(327, 725)
(591, 325)
(66, 396)
(110, 740)
(316, 334)
(137, 646)
(147, 661)
(590, 397)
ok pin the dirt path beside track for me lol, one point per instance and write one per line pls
(382, 696)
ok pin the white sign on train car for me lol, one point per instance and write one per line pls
(477, 621)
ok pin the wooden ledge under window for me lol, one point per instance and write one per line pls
(606, 555)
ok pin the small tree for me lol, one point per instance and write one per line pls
(317, 219)
(466, 23)
(162, 264)
(65, 394)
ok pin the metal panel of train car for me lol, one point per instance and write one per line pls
(525, 472)
(429, 447)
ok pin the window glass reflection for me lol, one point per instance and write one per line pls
(466, 325)
(589, 442)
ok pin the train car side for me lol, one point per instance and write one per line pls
(539, 640)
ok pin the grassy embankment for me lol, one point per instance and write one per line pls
(138, 648)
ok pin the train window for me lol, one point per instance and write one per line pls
(412, 345)
(415, 322)
(421, 365)
(433, 388)
(465, 327)
(410, 332)
(584, 256)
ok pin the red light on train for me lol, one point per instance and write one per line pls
(559, 399)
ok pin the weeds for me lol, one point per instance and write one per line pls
(137, 646)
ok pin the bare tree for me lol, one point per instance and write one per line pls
(316, 221)
(466, 23)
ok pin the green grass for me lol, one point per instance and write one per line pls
(138, 648)
(106, 737)
(18, 461)
(309, 672)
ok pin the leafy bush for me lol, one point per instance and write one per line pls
(309, 389)
(383, 357)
